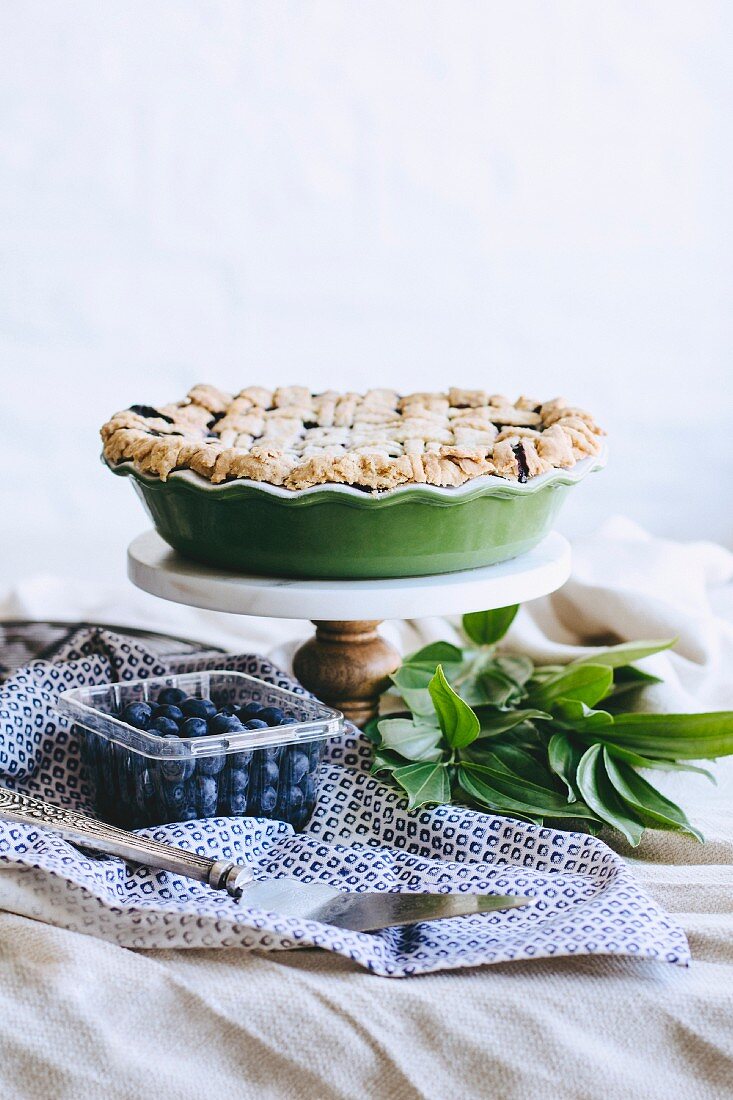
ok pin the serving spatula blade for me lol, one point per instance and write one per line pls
(369, 912)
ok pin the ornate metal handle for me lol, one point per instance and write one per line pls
(80, 829)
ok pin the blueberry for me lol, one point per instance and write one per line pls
(227, 708)
(315, 751)
(522, 467)
(238, 781)
(238, 804)
(255, 724)
(295, 799)
(194, 727)
(198, 708)
(224, 723)
(211, 765)
(268, 800)
(137, 714)
(311, 790)
(168, 711)
(238, 760)
(164, 726)
(291, 796)
(207, 793)
(303, 784)
(249, 710)
(299, 765)
(271, 772)
(171, 697)
(272, 715)
(180, 766)
(149, 413)
(174, 794)
(233, 791)
(289, 722)
(144, 789)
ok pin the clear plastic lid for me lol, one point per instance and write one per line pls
(97, 709)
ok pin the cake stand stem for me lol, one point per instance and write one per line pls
(347, 664)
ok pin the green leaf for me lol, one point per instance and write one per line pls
(602, 797)
(425, 784)
(386, 761)
(412, 680)
(483, 679)
(430, 656)
(419, 702)
(650, 804)
(473, 780)
(526, 736)
(563, 757)
(472, 691)
(637, 761)
(458, 722)
(626, 681)
(499, 681)
(629, 676)
(543, 673)
(371, 731)
(502, 793)
(572, 714)
(617, 656)
(513, 761)
(414, 740)
(495, 722)
(500, 689)
(411, 677)
(586, 683)
(412, 685)
(516, 666)
(538, 797)
(489, 627)
(672, 736)
(466, 679)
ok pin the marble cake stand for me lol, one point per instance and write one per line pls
(347, 662)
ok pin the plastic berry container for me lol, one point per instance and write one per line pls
(142, 776)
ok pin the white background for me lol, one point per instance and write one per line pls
(530, 197)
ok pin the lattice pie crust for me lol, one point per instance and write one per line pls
(376, 440)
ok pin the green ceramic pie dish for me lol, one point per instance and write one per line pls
(340, 531)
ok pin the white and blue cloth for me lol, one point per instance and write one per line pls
(361, 836)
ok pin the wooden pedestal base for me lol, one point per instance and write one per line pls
(347, 665)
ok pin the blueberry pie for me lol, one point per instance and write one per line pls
(378, 440)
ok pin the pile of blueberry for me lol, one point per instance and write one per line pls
(134, 790)
(181, 715)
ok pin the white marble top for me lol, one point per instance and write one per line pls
(154, 567)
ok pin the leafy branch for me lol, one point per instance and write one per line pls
(547, 743)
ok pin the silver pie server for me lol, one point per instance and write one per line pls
(360, 912)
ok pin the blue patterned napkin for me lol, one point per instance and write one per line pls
(361, 836)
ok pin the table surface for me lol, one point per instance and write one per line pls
(153, 566)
